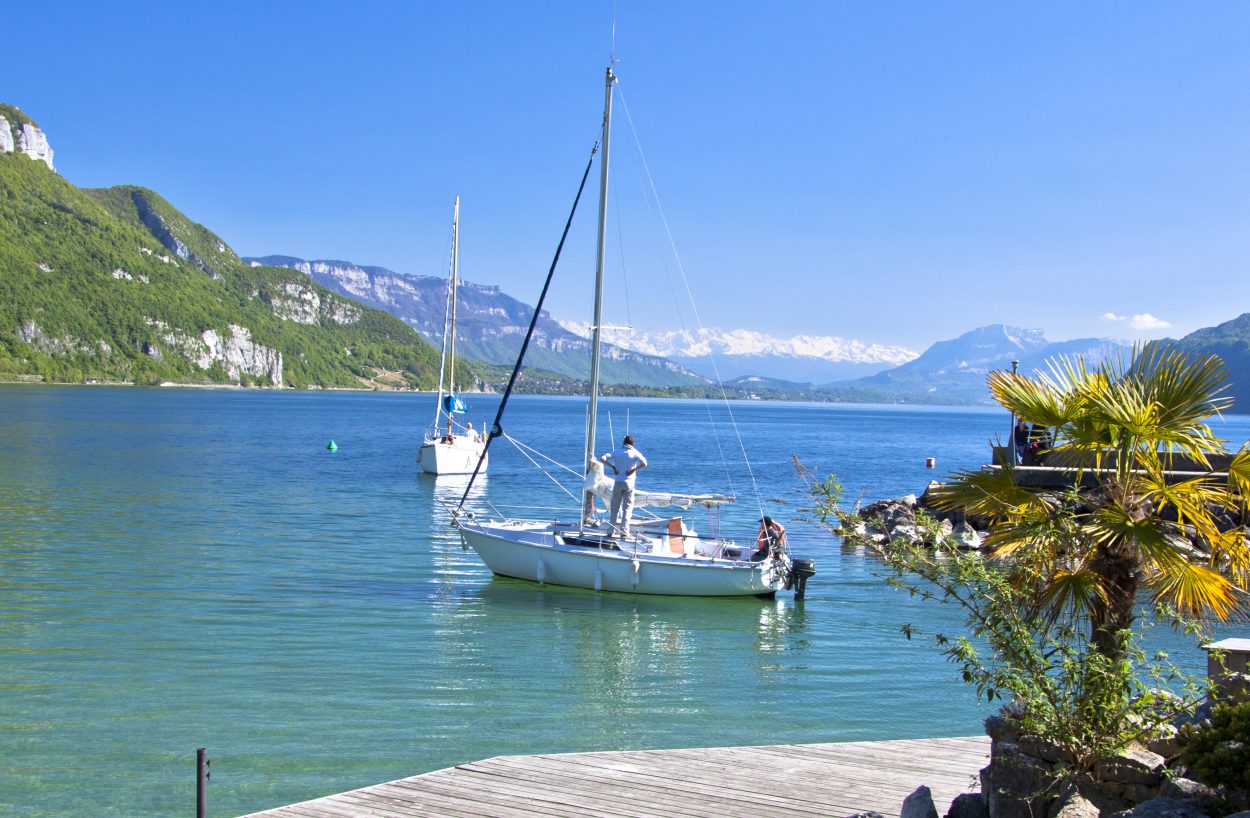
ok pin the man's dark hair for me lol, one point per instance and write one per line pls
(629, 440)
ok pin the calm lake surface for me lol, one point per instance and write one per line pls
(183, 568)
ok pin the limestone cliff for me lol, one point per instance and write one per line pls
(116, 284)
(19, 132)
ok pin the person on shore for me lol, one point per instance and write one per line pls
(771, 536)
(1039, 445)
(625, 462)
(1021, 439)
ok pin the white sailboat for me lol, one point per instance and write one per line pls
(447, 449)
(660, 556)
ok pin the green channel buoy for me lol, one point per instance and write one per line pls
(331, 446)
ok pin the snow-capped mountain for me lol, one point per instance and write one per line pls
(742, 352)
(954, 371)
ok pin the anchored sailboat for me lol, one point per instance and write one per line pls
(659, 556)
(446, 448)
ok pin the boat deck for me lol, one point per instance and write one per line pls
(784, 780)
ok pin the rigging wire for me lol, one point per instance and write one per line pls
(620, 246)
(647, 199)
(442, 361)
(495, 429)
(693, 306)
(515, 442)
(538, 466)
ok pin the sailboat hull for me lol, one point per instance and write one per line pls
(532, 552)
(458, 457)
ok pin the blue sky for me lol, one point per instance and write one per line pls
(891, 172)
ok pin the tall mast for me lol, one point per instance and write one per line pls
(597, 320)
(455, 269)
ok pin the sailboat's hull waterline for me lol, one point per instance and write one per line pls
(531, 551)
(458, 457)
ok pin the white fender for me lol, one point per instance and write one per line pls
(598, 580)
(541, 573)
(633, 578)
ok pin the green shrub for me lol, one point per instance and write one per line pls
(1220, 753)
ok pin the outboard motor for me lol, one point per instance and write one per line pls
(800, 570)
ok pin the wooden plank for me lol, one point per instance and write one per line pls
(768, 781)
(753, 764)
(505, 799)
(628, 796)
(736, 793)
(546, 800)
(557, 796)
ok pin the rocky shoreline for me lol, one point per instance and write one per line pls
(1028, 777)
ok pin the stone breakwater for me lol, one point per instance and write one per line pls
(1027, 776)
(890, 520)
(897, 519)
(1025, 779)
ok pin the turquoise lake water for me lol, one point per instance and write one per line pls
(183, 568)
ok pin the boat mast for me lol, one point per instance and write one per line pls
(588, 500)
(455, 267)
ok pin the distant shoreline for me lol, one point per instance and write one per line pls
(35, 380)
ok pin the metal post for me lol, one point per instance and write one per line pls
(1011, 438)
(202, 763)
(592, 411)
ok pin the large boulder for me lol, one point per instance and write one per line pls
(1162, 808)
(919, 804)
(1016, 785)
(1041, 748)
(968, 805)
(999, 728)
(1136, 765)
(1073, 805)
(1192, 792)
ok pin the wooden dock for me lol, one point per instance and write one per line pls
(827, 780)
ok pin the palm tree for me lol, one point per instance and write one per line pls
(1124, 526)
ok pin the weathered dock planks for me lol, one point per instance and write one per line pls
(763, 782)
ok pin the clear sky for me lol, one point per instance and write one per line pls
(892, 172)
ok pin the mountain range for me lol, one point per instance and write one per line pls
(954, 371)
(743, 353)
(116, 284)
(490, 323)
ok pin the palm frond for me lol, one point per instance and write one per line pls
(1192, 501)
(1239, 473)
(983, 493)
(1075, 593)
(1230, 552)
(1199, 591)
(1033, 399)
(1188, 389)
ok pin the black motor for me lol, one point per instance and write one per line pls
(800, 570)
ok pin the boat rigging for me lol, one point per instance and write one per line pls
(660, 556)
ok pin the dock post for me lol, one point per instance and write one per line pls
(202, 775)
(1228, 668)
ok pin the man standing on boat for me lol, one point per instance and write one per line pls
(625, 461)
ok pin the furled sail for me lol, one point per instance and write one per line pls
(600, 485)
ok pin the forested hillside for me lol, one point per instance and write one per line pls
(1231, 342)
(116, 284)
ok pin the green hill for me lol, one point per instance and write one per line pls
(117, 285)
(1231, 342)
